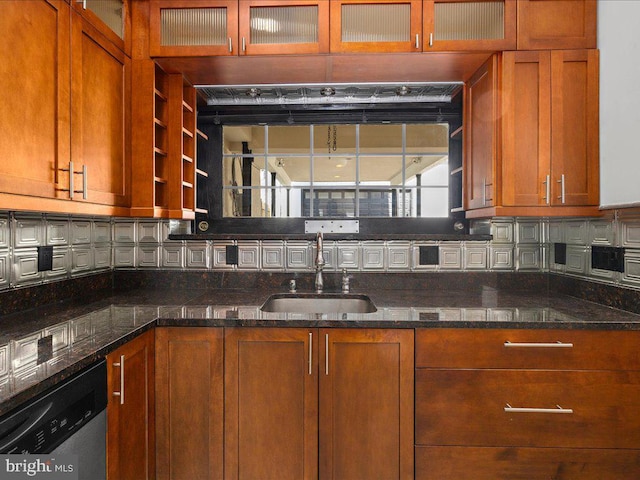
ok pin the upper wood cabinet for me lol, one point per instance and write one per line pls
(556, 24)
(69, 113)
(376, 26)
(110, 17)
(546, 159)
(240, 27)
(99, 116)
(34, 144)
(130, 410)
(550, 128)
(481, 135)
(485, 25)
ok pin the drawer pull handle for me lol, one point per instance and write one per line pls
(558, 409)
(538, 345)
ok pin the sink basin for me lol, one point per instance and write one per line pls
(318, 303)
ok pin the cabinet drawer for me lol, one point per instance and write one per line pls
(526, 463)
(549, 349)
(597, 409)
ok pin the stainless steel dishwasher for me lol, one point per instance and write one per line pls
(71, 418)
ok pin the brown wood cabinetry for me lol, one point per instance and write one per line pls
(164, 143)
(69, 109)
(556, 24)
(189, 403)
(34, 72)
(293, 392)
(130, 410)
(462, 25)
(366, 404)
(99, 115)
(481, 135)
(547, 163)
(238, 27)
(110, 17)
(507, 404)
(271, 403)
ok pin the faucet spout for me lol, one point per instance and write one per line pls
(319, 283)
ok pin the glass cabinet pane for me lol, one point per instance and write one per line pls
(110, 12)
(193, 26)
(376, 22)
(283, 25)
(469, 20)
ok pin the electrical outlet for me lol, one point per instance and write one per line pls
(231, 255)
(429, 255)
(45, 258)
(45, 349)
(560, 253)
(607, 258)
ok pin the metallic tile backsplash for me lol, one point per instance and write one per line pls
(86, 245)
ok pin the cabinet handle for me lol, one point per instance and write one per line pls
(72, 189)
(484, 191)
(121, 392)
(244, 45)
(310, 352)
(538, 345)
(547, 188)
(84, 181)
(557, 409)
(431, 39)
(83, 2)
(417, 41)
(561, 182)
(326, 354)
(230, 45)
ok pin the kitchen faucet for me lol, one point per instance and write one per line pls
(319, 263)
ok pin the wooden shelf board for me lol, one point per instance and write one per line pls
(456, 170)
(202, 173)
(159, 123)
(187, 158)
(204, 211)
(159, 151)
(456, 132)
(187, 132)
(202, 134)
(160, 95)
(186, 106)
(187, 184)
(160, 180)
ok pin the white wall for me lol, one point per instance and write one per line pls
(619, 44)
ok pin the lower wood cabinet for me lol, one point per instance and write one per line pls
(189, 403)
(308, 403)
(527, 404)
(130, 410)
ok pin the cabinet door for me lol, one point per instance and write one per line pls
(34, 114)
(189, 403)
(111, 17)
(130, 410)
(495, 463)
(366, 404)
(481, 135)
(526, 129)
(483, 25)
(575, 127)
(376, 25)
(532, 408)
(100, 92)
(277, 27)
(271, 403)
(556, 24)
(184, 28)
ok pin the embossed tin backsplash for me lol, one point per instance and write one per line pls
(87, 245)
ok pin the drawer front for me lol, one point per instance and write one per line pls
(480, 463)
(502, 348)
(597, 409)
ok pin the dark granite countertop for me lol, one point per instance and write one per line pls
(85, 333)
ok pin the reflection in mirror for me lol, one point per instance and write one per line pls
(382, 170)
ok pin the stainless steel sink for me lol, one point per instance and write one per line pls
(318, 303)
